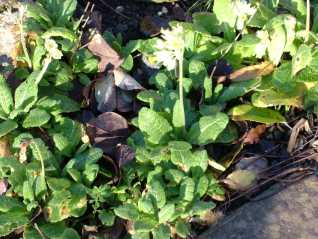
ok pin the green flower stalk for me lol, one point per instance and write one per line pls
(169, 53)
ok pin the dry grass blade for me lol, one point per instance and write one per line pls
(300, 125)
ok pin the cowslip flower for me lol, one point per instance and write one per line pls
(243, 10)
(170, 48)
(52, 49)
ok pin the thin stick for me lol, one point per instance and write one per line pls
(308, 21)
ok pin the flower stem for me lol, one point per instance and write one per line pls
(22, 39)
(181, 92)
(47, 62)
(308, 21)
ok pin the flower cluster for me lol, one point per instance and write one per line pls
(243, 11)
(170, 48)
(52, 49)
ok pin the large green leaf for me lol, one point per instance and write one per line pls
(157, 190)
(7, 126)
(6, 100)
(251, 113)
(301, 59)
(187, 189)
(277, 44)
(60, 32)
(224, 12)
(180, 154)
(207, 129)
(127, 211)
(161, 232)
(40, 14)
(36, 118)
(13, 217)
(166, 213)
(153, 125)
(26, 94)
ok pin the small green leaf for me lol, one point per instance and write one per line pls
(251, 113)
(7, 126)
(6, 100)
(36, 118)
(200, 208)
(127, 211)
(161, 232)
(26, 94)
(187, 189)
(180, 151)
(277, 44)
(106, 217)
(59, 32)
(145, 205)
(182, 229)
(157, 190)
(301, 59)
(178, 119)
(153, 125)
(207, 129)
(166, 213)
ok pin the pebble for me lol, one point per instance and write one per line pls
(120, 9)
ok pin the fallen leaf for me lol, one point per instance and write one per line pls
(300, 125)
(249, 72)
(108, 130)
(253, 135)
(125, 101)
(23, 151)
(109, 58)
(105, 94)
(255, 164)
(151, 25)
(125, 81)
(4, 147)
(240, 180)
(124, 155)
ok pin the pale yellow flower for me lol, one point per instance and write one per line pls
(52, 49)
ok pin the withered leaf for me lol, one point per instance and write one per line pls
(125, 81)
(109, 58)
(253, 135)
(250, 72)
(240, 180)
(105, 94)
(124, 155)
(108, 130)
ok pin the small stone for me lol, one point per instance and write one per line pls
(120, 9)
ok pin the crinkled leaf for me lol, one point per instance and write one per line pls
(180, 153)
(207, 129)
(36, 118)
(127, 211)
(6, 100)
(187, 189)
(161, 232)
(153, 125)
(156, 189)
(182, 229)
(106, 217)
(166, 213)
(26, 94)
(7, 126)
(60, 32)
(301, 59)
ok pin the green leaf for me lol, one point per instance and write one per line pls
(36, 118)
(39, 53)
(237, 90)
(161, 232)
(84, 61)
(145, 205)
(40, 151)
(153, 125)
(106, 217)
(301, 59)
(207, 129)
(13, 217)
(277, 44)
(200, 208)
(251, 113)
(157, 190)
(187, 189)
(40, 14)
(207, 22)
(127, 211)
(166, 213)
(283, 80)
(7, 126)
(178, 119)
(60, 32)
(182, 229)
(161, 80)
(6, 100)
(269, 98)
(146, 224)
(180, 151)
(228, 135)
(26, 94)
(223, 9)
(67, 136)
(202, 186)
(197, 72)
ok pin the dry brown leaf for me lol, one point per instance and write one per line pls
(250, 72)
(109, 58)
(4, 147)
(253, 135)
(300, 125)
(125, 81)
